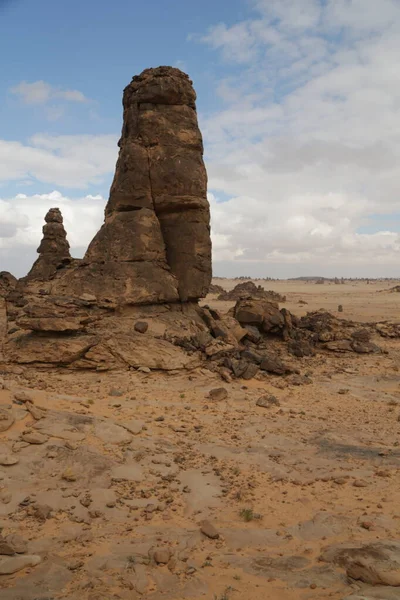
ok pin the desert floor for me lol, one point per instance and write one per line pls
(133, 463)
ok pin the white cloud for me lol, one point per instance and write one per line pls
(41, 92)
(74, 161)
(22, 219)
(307, 147)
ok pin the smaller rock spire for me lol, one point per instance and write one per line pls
(54, 247)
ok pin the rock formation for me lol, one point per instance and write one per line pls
(53, 250)
(7, 283)
(248, 289)
(155, 243)
(150, 260)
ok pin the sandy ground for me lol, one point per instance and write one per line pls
(135, 462)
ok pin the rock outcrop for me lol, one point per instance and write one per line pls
(248, 289)
(53, 250)
(154, 246)
(151, 258)
(7, 283)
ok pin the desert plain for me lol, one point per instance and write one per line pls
(138, 483)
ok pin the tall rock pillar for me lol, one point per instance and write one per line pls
(160, 176)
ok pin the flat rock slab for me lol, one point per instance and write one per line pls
(11, 565)
(110, 433)
(131, 472)
(134, 426)
(204, 491)
(60, 430)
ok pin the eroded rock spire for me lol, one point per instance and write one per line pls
(157, 215)
(54, 247)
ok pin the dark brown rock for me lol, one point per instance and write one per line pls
(53, 250)
(273, 364)
(268, 401)
(7, 283)
(158, 211)
(141, 326)
(218, 394)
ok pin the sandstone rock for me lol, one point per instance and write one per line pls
(209, 530)
(110, 433)
(268, 401)
(6, 548)
(376, 564)
(162, 556)
(7, 460)
(23, 397)
(141, 326)
(273, 364)
(53, 250)
(134, 426)
(248, 289)
(34, 437)
(11, 565)
(7, 419)
(17, 542)
(7, 283)
(155, 244)
(218, 394)
(263, 314)
(34, 411)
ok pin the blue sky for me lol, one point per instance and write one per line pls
(298, 101)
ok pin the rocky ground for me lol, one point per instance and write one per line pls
(155, 485)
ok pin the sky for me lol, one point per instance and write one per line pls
(298, 102)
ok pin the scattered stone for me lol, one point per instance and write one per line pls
(268, 401)
(162, 556)
(141, 326)
(7, 419)
(218, 394)
(34, 437)
(36, 413)
(17, 542)
(115, 393)
(11, 565)
(7, 460)
(42, 511)
(5, 496)
(69, 475)
(23, 397)
(6, 548)
(360, 483)
(209, 530)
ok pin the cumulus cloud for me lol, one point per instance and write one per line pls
(74, 161)
(306, 151)
(41, 92)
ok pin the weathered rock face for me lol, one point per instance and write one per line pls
(155, 243)
(7, 283)
(53, 250)
(161, 179)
